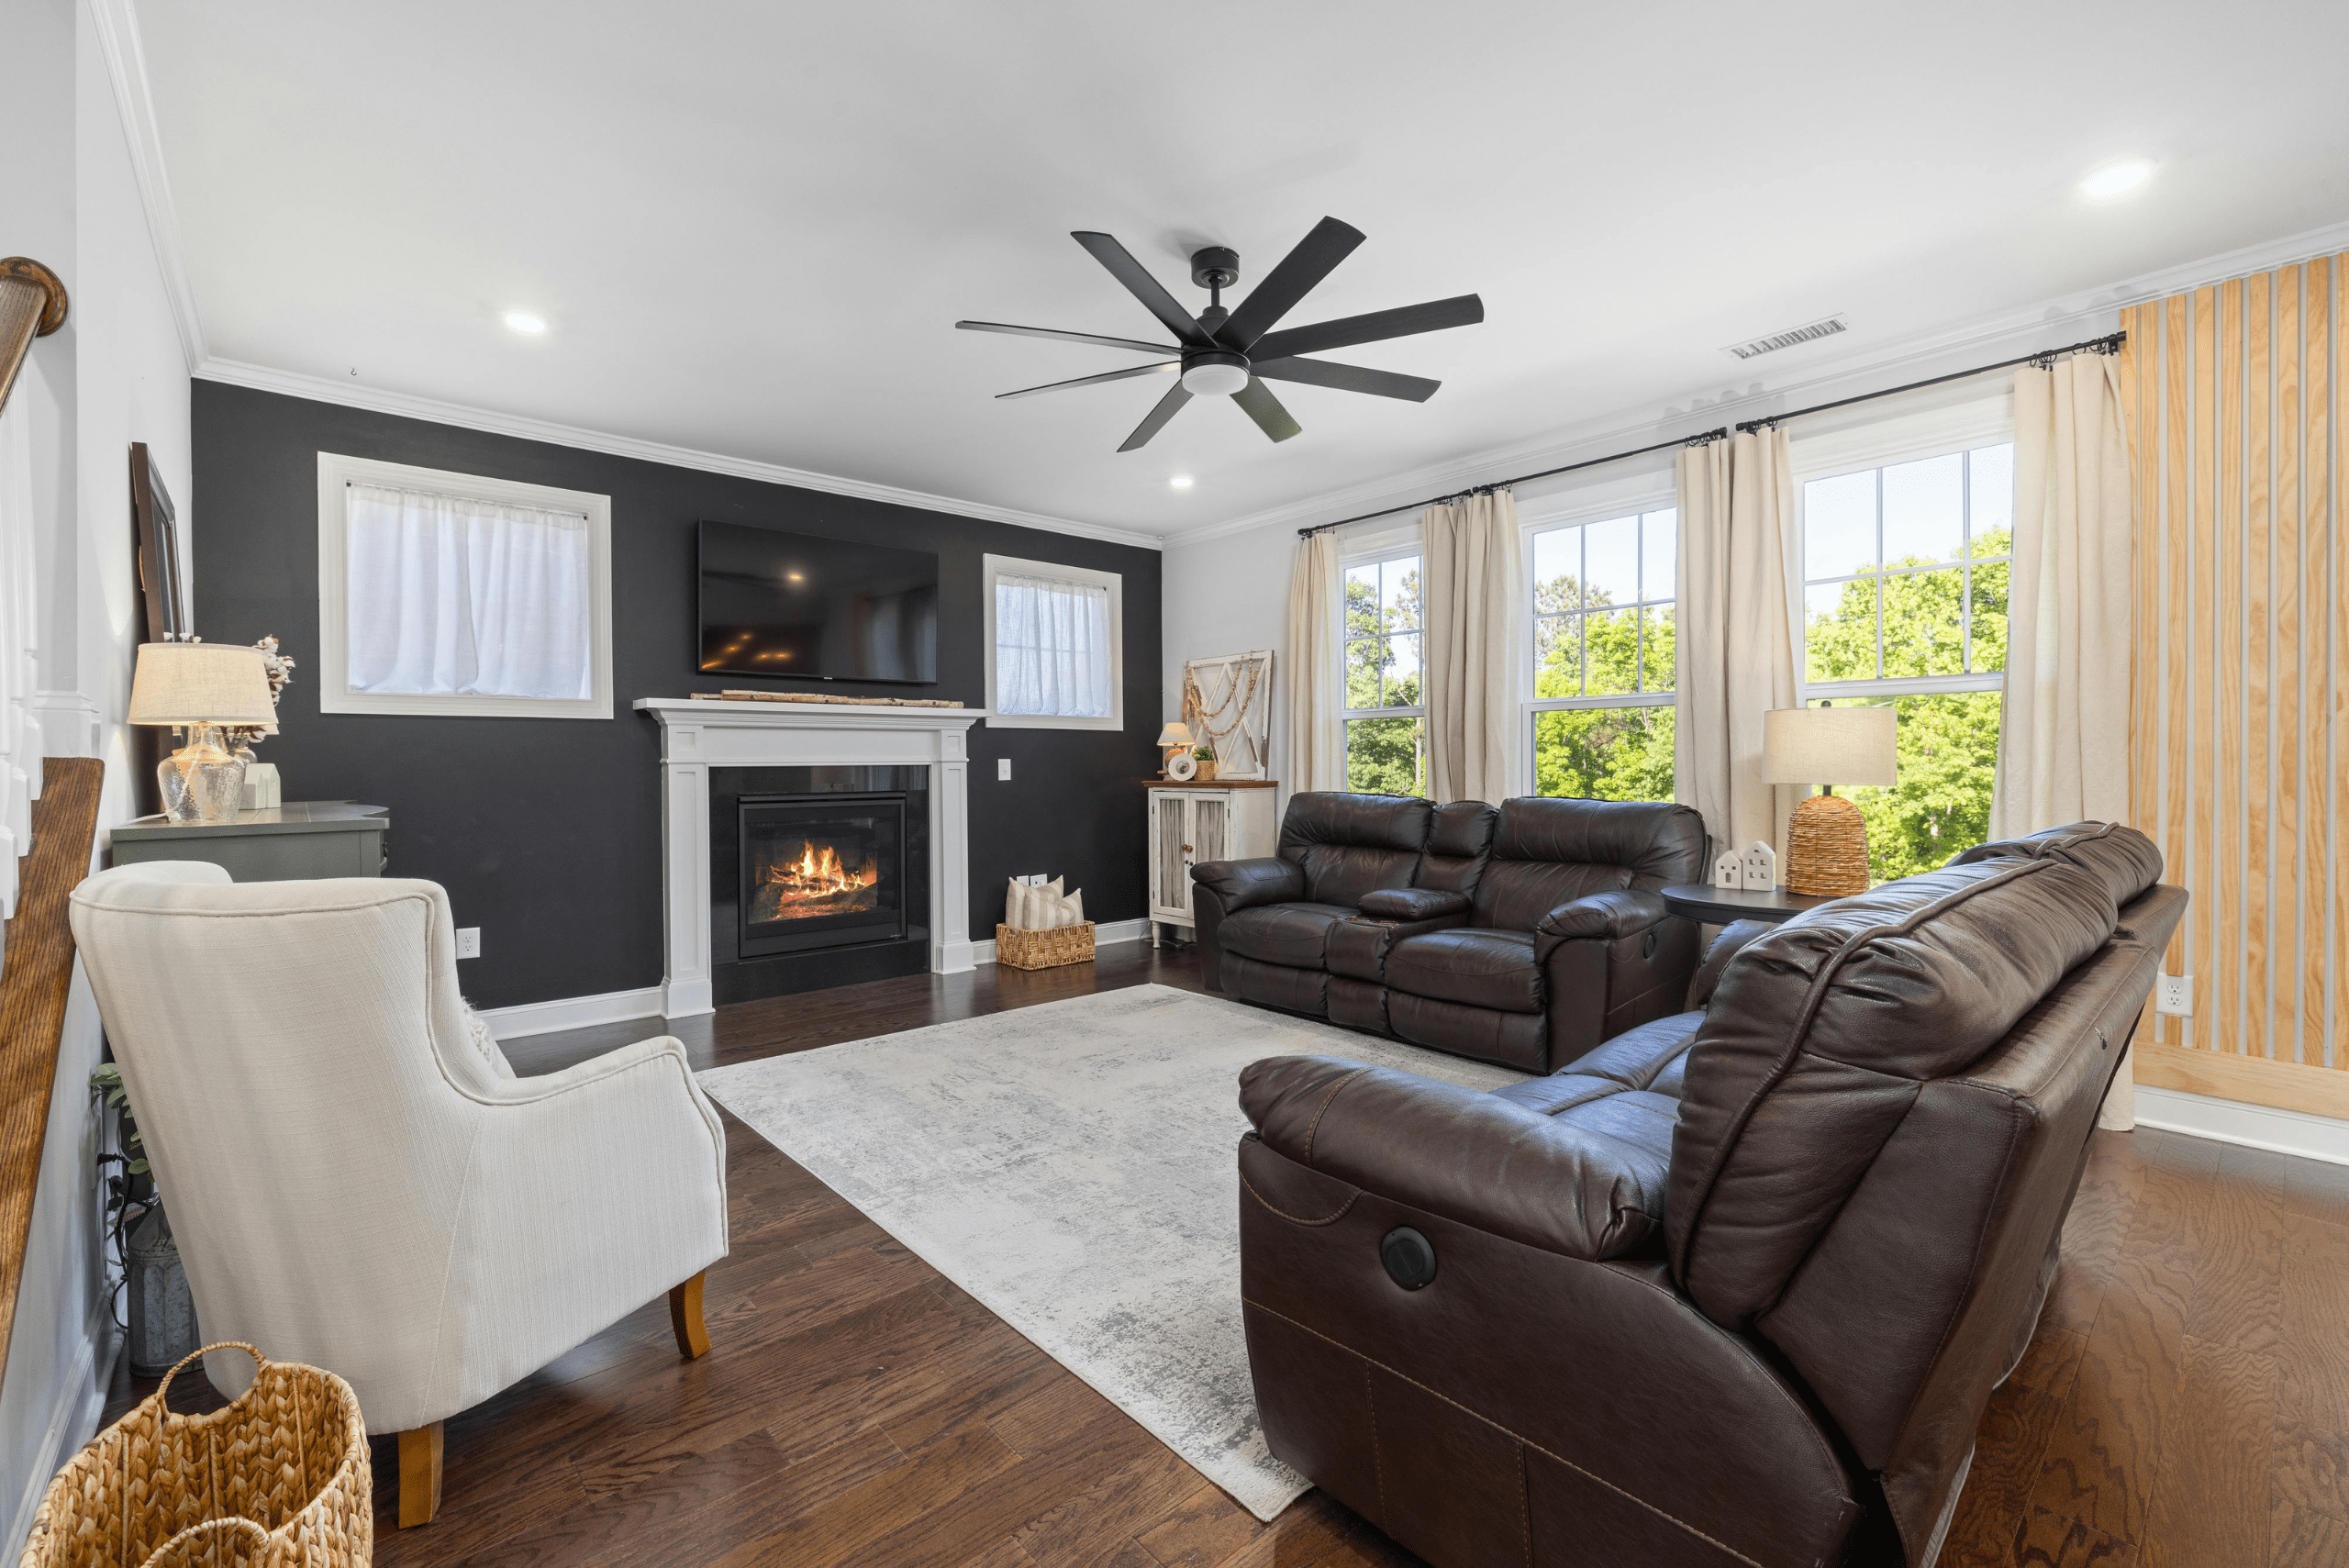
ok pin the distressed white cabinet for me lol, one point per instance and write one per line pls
(1193, 823)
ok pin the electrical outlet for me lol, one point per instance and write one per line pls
(1003, 770)
(2174, 995)
(1034, 878)
(468, 941)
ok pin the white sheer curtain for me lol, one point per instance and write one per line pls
(1051, 647)
(452, 595)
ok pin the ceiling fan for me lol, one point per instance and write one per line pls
(1231, 353)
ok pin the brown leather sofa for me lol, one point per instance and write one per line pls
(1734, 1288)
(1524, 934)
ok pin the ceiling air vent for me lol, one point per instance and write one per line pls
(1827, 326)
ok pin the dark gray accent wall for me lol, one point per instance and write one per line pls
(547, 832)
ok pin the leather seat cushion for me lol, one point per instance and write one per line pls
(1295, 936)
(1468, 964)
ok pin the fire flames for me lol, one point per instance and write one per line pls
(815, 882)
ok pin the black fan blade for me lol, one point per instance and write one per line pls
(1345, 378)
(1314, 259)
(1155, 420)
(1169, 368)
(1068, 337)
(1142, 285)
(1466, 310)
(1256, 400)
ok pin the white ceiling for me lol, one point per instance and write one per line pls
(752, 226)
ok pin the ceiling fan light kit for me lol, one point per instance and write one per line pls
(1231, 353)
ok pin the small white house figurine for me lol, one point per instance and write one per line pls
(1761, 867)
(1729, 869)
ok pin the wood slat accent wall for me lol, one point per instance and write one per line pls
(2234, 401)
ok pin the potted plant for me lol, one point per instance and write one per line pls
(1205, 755)
(161, 1322)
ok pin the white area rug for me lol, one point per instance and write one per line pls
(1072, 1165)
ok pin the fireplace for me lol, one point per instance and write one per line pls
(819, 877)
(820, 870)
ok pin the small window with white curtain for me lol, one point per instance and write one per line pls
(453, 595)
(1055, 640)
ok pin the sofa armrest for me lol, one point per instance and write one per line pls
(1243, 884)
(1607, 916)
(1412, 904)
(1471, 1158)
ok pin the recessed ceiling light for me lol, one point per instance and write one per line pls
(2114, 178)
(523, 321)
(1180, 482)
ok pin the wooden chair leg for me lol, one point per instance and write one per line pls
(684, 1318)
(419, 1474)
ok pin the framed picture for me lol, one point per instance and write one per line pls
(162, 582)
(1228, 703)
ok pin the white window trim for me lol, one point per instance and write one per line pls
(1619, 503)
(337, 473)
(1934, 432)
(993, 566)
(1396, 549)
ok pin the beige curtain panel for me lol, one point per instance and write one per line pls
(2063, 738)
(1314, 681)
(1476, 640)
(2063, 742)
(1736, 595)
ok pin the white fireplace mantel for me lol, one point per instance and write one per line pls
(697, 736)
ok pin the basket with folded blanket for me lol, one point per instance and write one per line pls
(1043, 927)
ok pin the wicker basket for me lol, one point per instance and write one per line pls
(279, 1478)
(1046, 948)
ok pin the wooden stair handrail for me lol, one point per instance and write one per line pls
(33, 305)
(34, 983)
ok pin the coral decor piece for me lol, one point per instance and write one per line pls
(821, 697)
(280, 670)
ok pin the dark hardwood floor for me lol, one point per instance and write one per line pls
(2186, 1401)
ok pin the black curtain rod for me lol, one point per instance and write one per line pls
(1718, 433)
(2045, 359)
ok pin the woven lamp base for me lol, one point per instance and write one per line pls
(1826, 847)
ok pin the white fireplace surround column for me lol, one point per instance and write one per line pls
(698, 736)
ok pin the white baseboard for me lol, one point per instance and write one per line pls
(573, 1012)
(1107, 933)
(619, 1006)
(2302, 1133)
(81, 1400)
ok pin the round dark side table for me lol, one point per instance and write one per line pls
(1719, 906)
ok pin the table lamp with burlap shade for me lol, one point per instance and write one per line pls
(1827, 841)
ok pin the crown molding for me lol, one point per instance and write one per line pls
(117, 30)
(434, 410)
(2050, 323)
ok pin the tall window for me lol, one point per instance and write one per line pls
(1054, 646)
(1604, 660)
(451, 593)
(1905, 571)
(1387, 742)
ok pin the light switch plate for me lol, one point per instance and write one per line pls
(468, 941)
(1002, 769)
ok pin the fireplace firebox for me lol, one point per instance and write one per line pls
(820, 872)
(819, 877)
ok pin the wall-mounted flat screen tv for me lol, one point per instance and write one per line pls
(824, 609)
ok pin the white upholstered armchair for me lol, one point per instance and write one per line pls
(356, 1178)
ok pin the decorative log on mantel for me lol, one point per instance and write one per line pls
(33, 305)
(34, 982)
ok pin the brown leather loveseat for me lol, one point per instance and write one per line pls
(1524, 934)
(1734, 1289)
